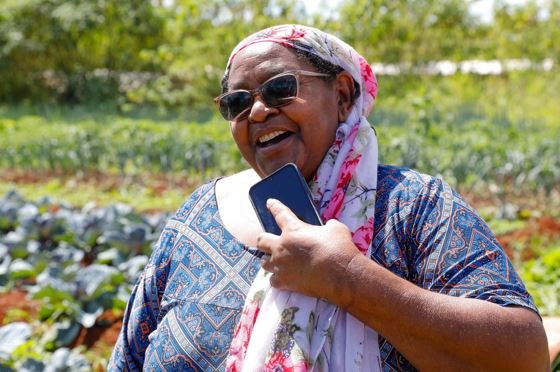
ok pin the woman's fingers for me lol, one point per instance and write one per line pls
(266, 242)
(273, 280)
(282, 214)
(265, 262)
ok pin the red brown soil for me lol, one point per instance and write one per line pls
(546, 229)
(108, 325)
(159, 183)
(537, 231)
(18, 300)
(103, 334)
(156, 183)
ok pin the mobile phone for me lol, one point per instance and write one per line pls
(288, 186)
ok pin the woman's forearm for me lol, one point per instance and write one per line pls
(440, 332)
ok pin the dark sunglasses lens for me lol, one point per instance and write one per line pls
(233, 104)
(280, 90)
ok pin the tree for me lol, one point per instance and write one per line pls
(199, 37)
(69, 40)
(406, 31)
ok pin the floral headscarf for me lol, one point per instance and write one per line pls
(282, 330)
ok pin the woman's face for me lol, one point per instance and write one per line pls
(301, 131)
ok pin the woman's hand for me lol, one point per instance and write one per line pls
(306, 258)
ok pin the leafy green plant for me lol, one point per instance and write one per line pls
(542, 278)
(77, 263)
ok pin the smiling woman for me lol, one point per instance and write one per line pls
(307, 130)
(403, 275)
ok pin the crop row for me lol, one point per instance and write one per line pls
(490, 131)
(475, 151)
(120, 146)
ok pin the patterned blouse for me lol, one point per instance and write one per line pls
(184, 308)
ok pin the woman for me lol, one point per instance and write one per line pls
(403, 275)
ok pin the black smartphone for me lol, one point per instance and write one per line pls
(288, 186)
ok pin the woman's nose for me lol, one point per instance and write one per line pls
(259, 111)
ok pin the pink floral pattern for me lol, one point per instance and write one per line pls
(241, 337)
(370, 82)
(336, 203)
(279, 362)
(283, 34)
(362, 236)
(288, 331)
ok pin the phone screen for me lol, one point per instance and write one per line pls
(288, 186)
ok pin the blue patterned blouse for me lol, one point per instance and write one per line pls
(184, 308)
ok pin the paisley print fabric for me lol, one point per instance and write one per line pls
(184, 309)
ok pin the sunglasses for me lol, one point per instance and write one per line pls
(277, 91)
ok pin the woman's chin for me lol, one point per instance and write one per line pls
(265, 169)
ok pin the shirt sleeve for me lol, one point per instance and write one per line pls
(455, 252)
(142, 313)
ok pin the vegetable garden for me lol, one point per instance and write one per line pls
(106, 127)
(68, 264)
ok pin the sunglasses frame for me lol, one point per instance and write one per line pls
(254, 92)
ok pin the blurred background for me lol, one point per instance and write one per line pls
(107, 125)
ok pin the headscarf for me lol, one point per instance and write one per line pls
(283, 330)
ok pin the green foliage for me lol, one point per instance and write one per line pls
(173, 55)
(496, 133)
(388, 31)
(74, 279)
(542, 278)
(198, 37)
(475, 131)
(53, 47)
(120, 59)
(530, 31)
(556, 364)
(117, 144)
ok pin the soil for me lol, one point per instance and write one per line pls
(103, 181)
(17, 306)
(103, 334)
(17, 299)
(106, 329)
(546, 229)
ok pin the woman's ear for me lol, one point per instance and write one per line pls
(344, 89)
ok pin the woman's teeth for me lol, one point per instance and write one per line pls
(269, 136)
